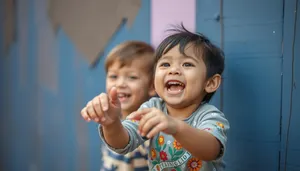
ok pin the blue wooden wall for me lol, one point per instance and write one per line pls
(40, 125)
(290, 88)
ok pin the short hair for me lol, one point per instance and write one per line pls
(212, 55)
(128, 51)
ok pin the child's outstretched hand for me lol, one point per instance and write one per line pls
(152, 121)
(104, 109)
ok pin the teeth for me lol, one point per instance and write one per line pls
(122, 95)
(175, 83)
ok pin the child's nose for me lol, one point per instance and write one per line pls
(174, 70)
(121, 82)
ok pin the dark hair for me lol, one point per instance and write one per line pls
(128, 51)
(212, 55)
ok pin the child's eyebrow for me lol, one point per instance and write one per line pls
(165, 57)
(182, 56)
(112, 71)
(193, 58)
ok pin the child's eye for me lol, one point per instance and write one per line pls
(133, 77)
(187, 65)
(164, 64)
(113, 76)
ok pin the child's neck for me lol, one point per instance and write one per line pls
(182, 113)
(124, 114)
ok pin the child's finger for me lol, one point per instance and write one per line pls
(97, 105)
(91, 112)
(144, 119)
(137, 115)
(148, 125)
(155, 130)
(103, 99)
(113, 95)
(85, 115)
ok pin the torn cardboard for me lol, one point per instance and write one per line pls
(90, 24)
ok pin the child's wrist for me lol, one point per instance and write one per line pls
(177, 127)
(112, 126)
(110, 131)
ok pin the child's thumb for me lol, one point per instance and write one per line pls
(114, 96)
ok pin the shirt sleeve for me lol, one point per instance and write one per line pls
(216, 124)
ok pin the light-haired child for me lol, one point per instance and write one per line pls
(185, 131)
(129, 68)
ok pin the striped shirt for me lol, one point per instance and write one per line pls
(133, 161)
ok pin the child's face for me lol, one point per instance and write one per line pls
(180, 80)
(133, 82)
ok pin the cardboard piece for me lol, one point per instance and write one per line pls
(90, 24)
(9, 23)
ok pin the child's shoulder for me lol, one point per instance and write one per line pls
(156, 102)
(206, 115)
(207, 108)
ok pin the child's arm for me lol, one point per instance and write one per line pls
(200, 143)
(115, 135)
(121, 137)
(127, 143)
(106, 111)
(205, 140)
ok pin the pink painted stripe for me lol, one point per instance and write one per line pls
(171, 12)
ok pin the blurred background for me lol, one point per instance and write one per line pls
(52, 64)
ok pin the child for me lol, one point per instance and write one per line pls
(129, 68)
(185, 132)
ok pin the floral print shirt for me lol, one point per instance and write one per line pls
(166, 154)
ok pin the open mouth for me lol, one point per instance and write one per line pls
(175, 86)
(123, 96)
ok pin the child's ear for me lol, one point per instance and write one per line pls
(152, 91)
(213, 83)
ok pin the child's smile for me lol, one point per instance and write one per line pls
(123, 97)
(174, 87)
